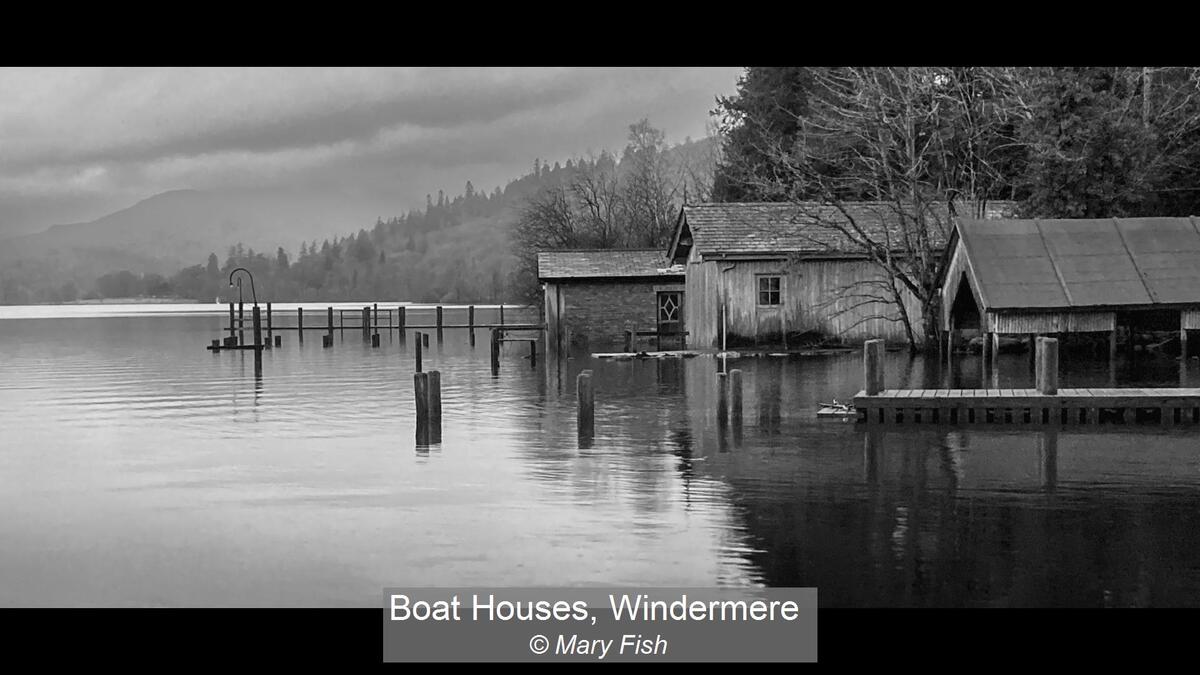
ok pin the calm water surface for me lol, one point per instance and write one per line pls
(137, 468)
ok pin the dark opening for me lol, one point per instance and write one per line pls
(964, 310)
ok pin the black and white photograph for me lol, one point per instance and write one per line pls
(870, 337)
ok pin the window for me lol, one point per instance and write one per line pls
(769, 290)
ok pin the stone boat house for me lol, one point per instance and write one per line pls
(592, 297)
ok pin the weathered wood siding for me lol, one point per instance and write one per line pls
(954, 272)
(1013, 322)
(1190, 319)
(817, 295)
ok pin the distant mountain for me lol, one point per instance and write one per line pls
(181, 227)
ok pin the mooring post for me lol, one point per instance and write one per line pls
(722, 399)
(533, 353)
(374, 339)
(628, 341)
(258, 345)
(278, 340)
(270, 326)
(342, 322)
(375, 313)
(418, 352)
(587, 404)
(366, 323)
(439, 324)
(329, 327)
(735, 397)
(425, 339)
(300, 323)
(326, 340)
(421, 398)
(400, 324)
(231, 333)
(435, 406)
(471, 324)
(216, 345)
(1047, 366)
(495, 352)
(242, 323)
(502, 315)
(872, 367)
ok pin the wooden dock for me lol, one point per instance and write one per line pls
(1045, 404)
(1028, 406)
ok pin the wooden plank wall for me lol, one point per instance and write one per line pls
(815, 293)
(1016, 322)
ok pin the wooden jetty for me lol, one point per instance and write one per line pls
(1045, 404)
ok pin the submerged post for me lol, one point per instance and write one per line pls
(872, 367)
(439, 324)
(231, 334)
(425, 339)
(242, 323)
(435, 406)
(587, 404)
(502, 315)
(533, 353)
(471, 324)
(270, 326)
(628, 341)
(722, 399)
(278, 340)
(375, 339)
(1047, 366)
(258, 345)
(495, 352)
(421, 398)
(375, 329)
(300, 323)
(366, 323)
(400, 324)
(418, 353)
(329, 317)
(735, 397)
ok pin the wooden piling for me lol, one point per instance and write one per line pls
(471, 324)
(216, 344)
(326, 340)
(278, 340)
(1047, 366)
(425, 339)
(342, 322)
(329, 317)
(366, 323)
(418, 352)
(375, 339)
(376, 315)
(587, 404)
(300, 323)
(722, 399)
(400, 323)
(994, 366)
(735, 397)
(533, 353)
(241, 323)
(495, 352)
(628, 341)
(270, 326)
(258, 344)
(231, 333)
(439, 324)
(502, 314)
(435, 405)
(873, 367)
(421, 398)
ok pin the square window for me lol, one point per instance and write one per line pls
(769, 290)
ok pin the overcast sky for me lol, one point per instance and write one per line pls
(76, 144)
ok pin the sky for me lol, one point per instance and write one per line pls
(79, 143)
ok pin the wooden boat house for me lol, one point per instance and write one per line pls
(593, 297)
(781, 273)
(1041, 277)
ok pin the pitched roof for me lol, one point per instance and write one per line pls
(602, 263)
(1043, 264)
(785, 227)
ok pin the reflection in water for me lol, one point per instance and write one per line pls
(139, 469)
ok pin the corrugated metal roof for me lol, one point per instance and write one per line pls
(773, 227)
(1079, 263)
(600, 263)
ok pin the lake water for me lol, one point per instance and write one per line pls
(137, 468)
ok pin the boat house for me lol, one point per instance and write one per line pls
(592, 297)
(1038, 277)
(786, 273)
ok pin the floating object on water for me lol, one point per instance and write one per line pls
(836, 409)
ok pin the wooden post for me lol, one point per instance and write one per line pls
(994, 367)
(366, 323)
(735, 397)
(375, 339)
(418, 352)
(425, 338)
(400, 322)
(502, 315)
(258, 345)
(1047, 366)
(495, 352)
(587, 404)
(329, 327)
(270, 326)
(216, 345)
(985, 359)
(241, 323)
(341, 322)
(278, 340)
(439, 324)
(435, 406)
(326, 340)
(231, 333)
(722, 399)
(421, 398)
(628, 341)
(375, 314)
(872, 367)
(300, 323)
(471, 324)
(1033, 351)
(533, 353)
